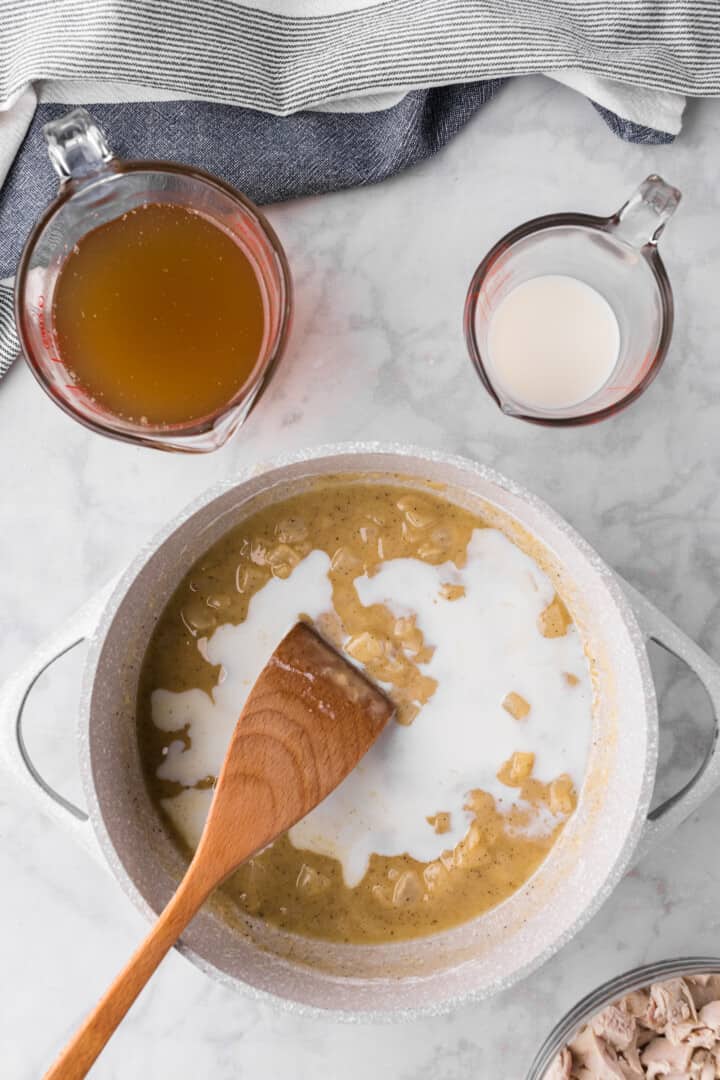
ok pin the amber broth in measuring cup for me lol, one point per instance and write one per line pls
(158, 315)
(152, 300)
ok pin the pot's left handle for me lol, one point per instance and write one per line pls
(13, 698)
(670, 813)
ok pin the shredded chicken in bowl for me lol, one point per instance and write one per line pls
(669, 1031)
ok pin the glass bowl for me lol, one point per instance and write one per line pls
(610, 991)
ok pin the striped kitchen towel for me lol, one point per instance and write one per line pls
(291, 97)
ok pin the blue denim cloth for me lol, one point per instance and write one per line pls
(269, 158)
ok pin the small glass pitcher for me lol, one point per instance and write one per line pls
(96, 187)
(618, 257)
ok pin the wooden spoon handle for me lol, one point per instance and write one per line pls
(78, 1056)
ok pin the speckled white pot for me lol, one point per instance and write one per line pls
(402, 979)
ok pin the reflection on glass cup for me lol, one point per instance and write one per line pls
(616, 257)
(97, 189)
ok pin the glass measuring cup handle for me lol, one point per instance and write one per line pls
(77, 146)
(642, 219)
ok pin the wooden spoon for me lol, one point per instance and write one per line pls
(308, 720)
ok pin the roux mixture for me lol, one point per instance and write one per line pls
(158, 315)
(359, 526)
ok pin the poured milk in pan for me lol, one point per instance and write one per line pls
(457, 804)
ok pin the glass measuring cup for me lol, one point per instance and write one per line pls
(618, 257)
(95, 188)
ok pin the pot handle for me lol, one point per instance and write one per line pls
(658, 628)
(13, 698)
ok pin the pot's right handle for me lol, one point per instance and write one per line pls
(658, 628)
(13, 697)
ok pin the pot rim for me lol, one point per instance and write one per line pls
(401, 450)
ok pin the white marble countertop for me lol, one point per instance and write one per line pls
(377, 352)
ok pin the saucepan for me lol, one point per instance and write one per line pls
(611, 827)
